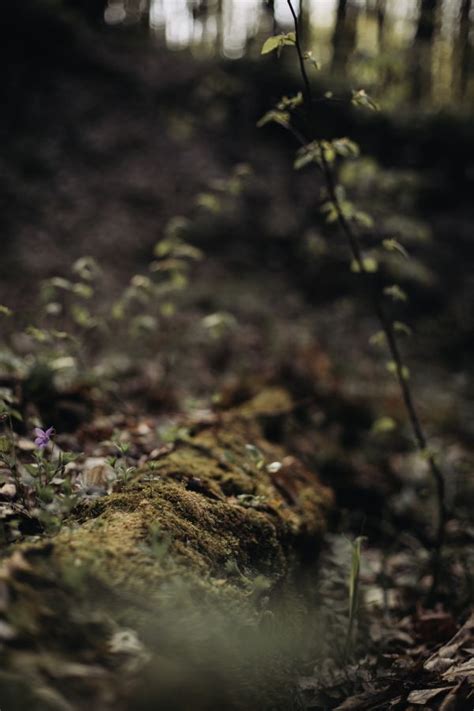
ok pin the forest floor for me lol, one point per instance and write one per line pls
(98, 163)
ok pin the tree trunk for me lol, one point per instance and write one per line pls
(181, 590)
(423, 50)
(464, 46)
(344, 36)
(380, 10)
(426, 21)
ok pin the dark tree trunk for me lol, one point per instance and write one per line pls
(423, 50)
(380, 8)
(344, 36)
(427, 21)
(145, 14)
(304, 24)
(464, 46)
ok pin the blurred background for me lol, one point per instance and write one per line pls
(121, 116)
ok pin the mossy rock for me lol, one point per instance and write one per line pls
(169, 593)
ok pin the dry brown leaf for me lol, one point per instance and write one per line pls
(449, 653)
(463, 670)
(8, 491)
(420, 697)
(97, 472)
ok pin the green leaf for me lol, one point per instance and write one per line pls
(176, 227)
(383, 424)
(118, 310)
(208, 201)
(54, 308)
(400, 327)
(5, 444)
(362, 99)
(5, 311)
(178, 280)
(255, 455)
(346, 148)
(6, 396)
(392, 368)
(347, 209)
(271, 44)
(40, 335)
(378, 339)
(329, 209)
(280, 117)
(183, 250)
(303, 159)
(61, 335)
(83, 316)
(363, 219)
(167, 265)
(219, 324)
(172, 433)
(290, 102)
(314, 152)
(139, 281)
(143, 323)
(308, 57)
(168, 309)
(164, 247)
(60, 283)
(428, 454)
(83, 290)
(369, 263)
(329, 152)
(289, 38)
(87, 268)
(277, 42)
(392, 245)
(340, 192)
(332, 216)
(395, 292)
(311, 153)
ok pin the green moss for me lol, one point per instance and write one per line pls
(176, 539)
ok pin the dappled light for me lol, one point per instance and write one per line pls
(376, 37)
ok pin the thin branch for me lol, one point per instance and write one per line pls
(384, 319)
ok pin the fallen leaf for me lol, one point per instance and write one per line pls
(8, 491)
(422, 696)
(446, 656)
(97, 472)
(464, 670)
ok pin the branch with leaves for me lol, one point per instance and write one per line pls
(337, 209)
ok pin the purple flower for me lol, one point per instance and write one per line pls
(43, 437)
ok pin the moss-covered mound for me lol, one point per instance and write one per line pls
(181, 590)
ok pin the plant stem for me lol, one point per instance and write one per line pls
(386, 323)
